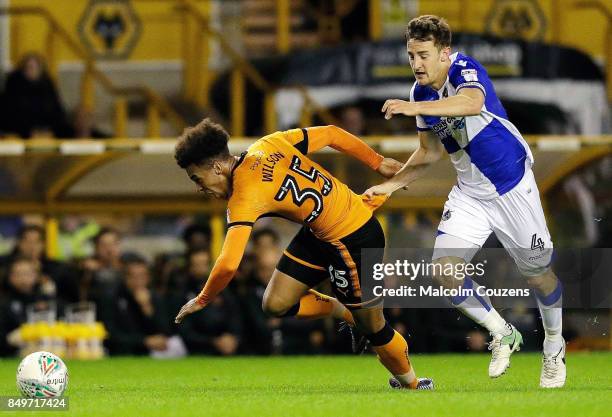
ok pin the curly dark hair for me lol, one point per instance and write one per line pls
(201, 143)
(430, 28)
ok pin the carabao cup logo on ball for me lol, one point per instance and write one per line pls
(42, 375)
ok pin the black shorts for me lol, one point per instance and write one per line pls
(311, 260)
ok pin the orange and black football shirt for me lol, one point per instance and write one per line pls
(275, 177)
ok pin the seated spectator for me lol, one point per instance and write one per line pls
(218, 330)
(267, 251)
(195, 272)
(102, 273)
(257, 326)
(169, 266)
(31, 102)
(266, 335)
(257, 266)
(55, 277)
(352, 120)
(196, 236)
(22, 289)
(134, 316)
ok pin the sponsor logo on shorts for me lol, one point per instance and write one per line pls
(447, 215)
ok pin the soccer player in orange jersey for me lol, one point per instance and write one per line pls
(275, 177)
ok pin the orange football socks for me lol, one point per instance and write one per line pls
(392, 351)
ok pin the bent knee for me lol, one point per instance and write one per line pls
(274, 306)
(535, 274)
(443, 271)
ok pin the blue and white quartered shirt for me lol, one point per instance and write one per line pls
(488, 152)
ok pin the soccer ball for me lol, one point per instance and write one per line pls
(42, 375)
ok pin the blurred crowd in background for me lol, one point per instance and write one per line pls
(138, 291)
(137, 297)
(32, 107)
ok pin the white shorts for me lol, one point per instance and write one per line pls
(516, 218)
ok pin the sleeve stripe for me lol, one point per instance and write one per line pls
(305, 132)
(302, 146)
(471, 84)
(240, 224)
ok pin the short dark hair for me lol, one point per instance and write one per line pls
(31, 228)
(266, 231)
(194, 229)
(134, 259)
(201, 143)
(104, 231)
(430, 28)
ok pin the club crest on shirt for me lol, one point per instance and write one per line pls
(258, 156)
(456, 122)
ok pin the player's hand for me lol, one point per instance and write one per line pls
(395, 106)
(389, 167)
(190, 307)
(380, 189)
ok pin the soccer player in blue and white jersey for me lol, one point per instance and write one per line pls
(456, 108)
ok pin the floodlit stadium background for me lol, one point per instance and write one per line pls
(131, 74)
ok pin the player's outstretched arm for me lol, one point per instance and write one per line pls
(345, 142)
(223, 271)
(467, 102)
(429, 151)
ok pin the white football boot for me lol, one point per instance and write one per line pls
(501, 348)
(553, 369)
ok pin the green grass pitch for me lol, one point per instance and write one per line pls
(325, 386)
